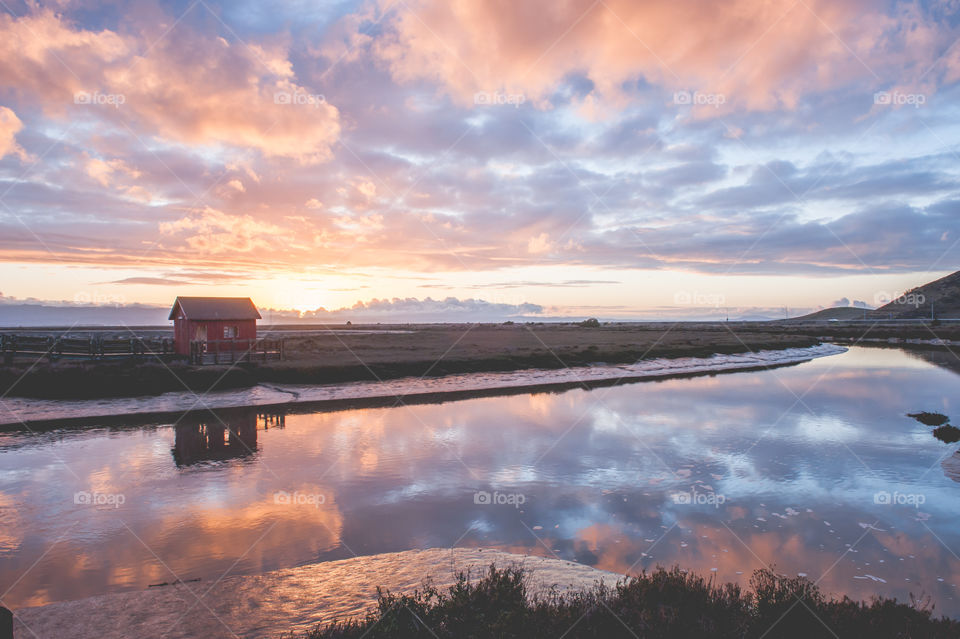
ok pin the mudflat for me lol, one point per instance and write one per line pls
(335, 354)
(330, 354)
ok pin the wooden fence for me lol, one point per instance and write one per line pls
(100, 348)
(230, 351)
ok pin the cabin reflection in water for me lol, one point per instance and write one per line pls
(220, 435)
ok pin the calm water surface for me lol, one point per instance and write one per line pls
(814, 469)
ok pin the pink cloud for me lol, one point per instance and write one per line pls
(756, 55)
(186, 88)
(10, 125)
(420, 185)
(213, 232)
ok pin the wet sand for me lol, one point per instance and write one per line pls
(40, 413)
(293, 599)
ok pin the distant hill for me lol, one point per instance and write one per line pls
(13, 315)
(839, 313)
(943, 294)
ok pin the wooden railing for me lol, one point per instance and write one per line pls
(230, 351)
(227, 351)
(55, 348)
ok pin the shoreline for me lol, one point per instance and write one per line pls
(358, 354)
(340, 354)
(355, 395)
(282, 601)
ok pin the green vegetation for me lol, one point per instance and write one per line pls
(664, 603)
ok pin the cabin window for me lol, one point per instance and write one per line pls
(230, 332)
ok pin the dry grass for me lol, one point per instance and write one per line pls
(562, 343)
(332, 354)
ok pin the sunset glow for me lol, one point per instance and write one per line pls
(610, 159)
(396, 319)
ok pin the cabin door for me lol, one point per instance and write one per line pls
(201, 333)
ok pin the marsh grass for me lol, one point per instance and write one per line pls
(660, 604)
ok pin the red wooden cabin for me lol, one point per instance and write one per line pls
(224, 323)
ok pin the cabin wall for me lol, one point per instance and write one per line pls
(186, 331)
(247, 329)
(181, 336)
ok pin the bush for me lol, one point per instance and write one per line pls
(593, 322)
(661, 604)
(949, 434)
(930, 419)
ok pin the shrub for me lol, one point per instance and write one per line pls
(661, 604)
(949, 434)
(930, 419)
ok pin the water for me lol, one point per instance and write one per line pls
(22, 411)
(790, 467)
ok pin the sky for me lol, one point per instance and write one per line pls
(608, 158)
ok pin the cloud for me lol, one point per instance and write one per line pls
(181, 278)
(845, 302)
(412, 309)
(103, 171)
(10, 125)
(151, 281)
(214, 232)
(201, 167)
(734, 50)
(557, 284)
(186, 88)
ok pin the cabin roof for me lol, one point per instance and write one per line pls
(215, 308)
